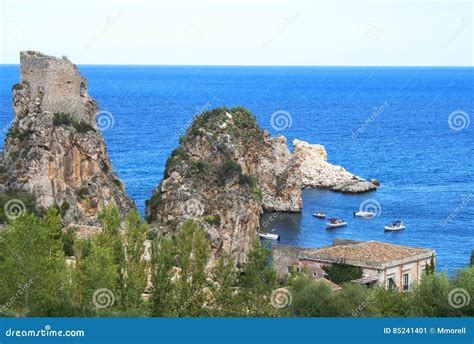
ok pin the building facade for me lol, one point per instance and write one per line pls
(393, 266)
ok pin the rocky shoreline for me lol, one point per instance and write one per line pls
(225, 173)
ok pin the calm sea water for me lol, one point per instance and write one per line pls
(404, 139)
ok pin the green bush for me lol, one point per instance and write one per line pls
(15, 133)
(61, 118)
(83, 192)
(228, 169)
(68, 238)
(341, 273)
(213, 219)
(151, 235)
(20, 202)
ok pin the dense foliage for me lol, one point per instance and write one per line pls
(109, 277)
(61, 118)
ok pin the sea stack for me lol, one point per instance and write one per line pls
(53, 149)
(224, 174)
(227, 171)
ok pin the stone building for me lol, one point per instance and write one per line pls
(395, 267)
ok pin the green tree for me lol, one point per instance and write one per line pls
(100, 276)
(111, 239)
(135, 267)
(310, 299)
(81, 249)
(162, 273)
(192, 253)
(430, 268)
(257, 282)
(471, 262)
(430, 297)
(224, 300)
(392, 303)
(462, 294)
(340, 273)
(179, 273)
(33, 271)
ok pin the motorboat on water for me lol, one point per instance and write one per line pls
(319, 215)
(366, 214)
(335, 223)
(270, 235)
(395, 226)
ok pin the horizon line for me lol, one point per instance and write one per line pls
(259, 65)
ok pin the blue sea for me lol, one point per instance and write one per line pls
(406, 127)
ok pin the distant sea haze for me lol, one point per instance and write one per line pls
(407, 127)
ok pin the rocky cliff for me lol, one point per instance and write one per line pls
(317, 172)
(227, 171)
(224, 174)
(54, 149)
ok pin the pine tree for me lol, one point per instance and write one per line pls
(471, 263)
(33, 270)
(135, 267)
(192, 257)
(258, 282)
(162, 267)
(224, 292)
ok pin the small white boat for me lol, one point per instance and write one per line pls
(366, 214)
(396, 226)
(319, 215)
(269, 236)
(335, 223)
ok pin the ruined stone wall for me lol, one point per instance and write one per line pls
(58, 83)
(284, 256)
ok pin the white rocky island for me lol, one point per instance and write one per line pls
(317, 172)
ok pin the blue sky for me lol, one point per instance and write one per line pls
(243, 32)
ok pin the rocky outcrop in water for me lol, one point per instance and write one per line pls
(54, 149)
(317, 172)
(227, 171)
(224, 174)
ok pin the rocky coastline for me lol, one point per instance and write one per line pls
(225, 173)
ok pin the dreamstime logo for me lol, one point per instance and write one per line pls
(281, 120)
(465, 200)
(458, 298)
(281, 298)
(377, 111)
(193, 207)
(371, 206)
(13, 31)
(105, 120)
(371, 32)
(14, 208)
(458, 120)
(22, 289)
(103, 298)
(192, 32)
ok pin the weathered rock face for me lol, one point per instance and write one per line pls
(54, 149)
(316, 172)
(225, 172)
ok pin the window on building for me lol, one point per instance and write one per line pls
(406, 281)
(391, 283)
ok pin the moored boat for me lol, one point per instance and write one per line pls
(395, 226)
(366, 214)
(319, 215)
(269, 236)
(335, 223)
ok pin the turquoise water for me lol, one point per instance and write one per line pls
(385, 123)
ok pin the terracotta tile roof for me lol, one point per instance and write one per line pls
(370, 252)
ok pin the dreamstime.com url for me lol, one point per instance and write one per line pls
(47, 331)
